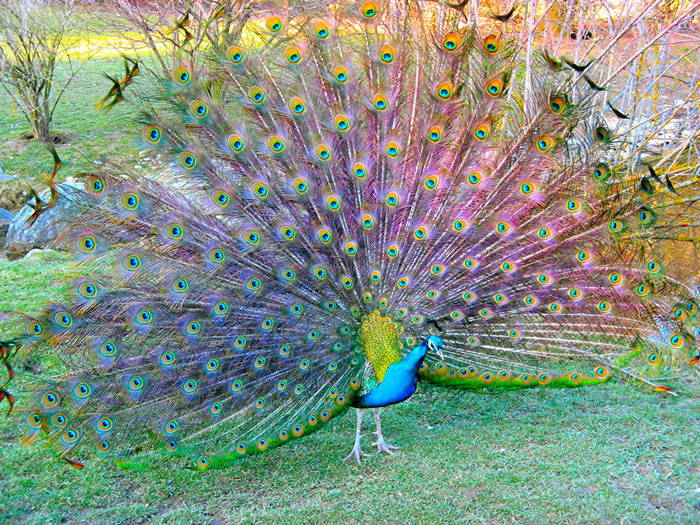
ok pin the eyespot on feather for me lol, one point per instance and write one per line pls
(182, 76)
(369, 10)
(236, 54)
(451, 41)
(321, 30)
(492, 44)
(274, 24)
(293, 55)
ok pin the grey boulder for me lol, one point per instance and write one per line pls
(23, 237)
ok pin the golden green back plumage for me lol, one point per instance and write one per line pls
(379, 338)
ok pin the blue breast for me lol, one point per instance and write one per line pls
(399, 382)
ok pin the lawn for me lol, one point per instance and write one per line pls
(610, 454)
(605, 455)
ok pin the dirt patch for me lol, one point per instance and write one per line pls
(13, 195)
(56, 138)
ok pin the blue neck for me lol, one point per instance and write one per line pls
(415, 357)
(399, 381)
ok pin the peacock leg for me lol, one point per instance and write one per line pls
(382, 446)
(356, 451)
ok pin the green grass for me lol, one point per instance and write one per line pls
(604, 455)
(30, 283)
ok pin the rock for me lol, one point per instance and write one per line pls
(5, 216)
(5, 220)
(3, 233)
(4, 177)
(39, 253)
(22, 237)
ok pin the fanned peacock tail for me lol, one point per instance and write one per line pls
(359, 179)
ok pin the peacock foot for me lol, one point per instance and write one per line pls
(356, 454)
(383, 446)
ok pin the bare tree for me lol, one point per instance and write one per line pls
(169, 29)
(32, 40)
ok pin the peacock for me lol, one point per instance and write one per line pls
(354, 201)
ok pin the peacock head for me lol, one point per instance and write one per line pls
(434, 344)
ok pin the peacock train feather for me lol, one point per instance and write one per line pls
(340, 187)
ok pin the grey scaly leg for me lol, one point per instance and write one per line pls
(356, 451)
(382, 446)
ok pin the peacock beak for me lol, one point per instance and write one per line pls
(436, 348)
